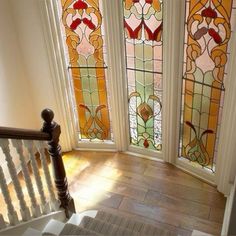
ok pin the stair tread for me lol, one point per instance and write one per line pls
(71, 229)
(31, 231)
(132, 225)
(104, 228)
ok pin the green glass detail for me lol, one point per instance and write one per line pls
(143, 37)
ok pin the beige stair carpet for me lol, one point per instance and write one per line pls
(109, 224)
(132, 225)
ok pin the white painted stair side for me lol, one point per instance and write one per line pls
(77, 217)
(53, 227)
(36, 223)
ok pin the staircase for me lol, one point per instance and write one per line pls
(98, 223)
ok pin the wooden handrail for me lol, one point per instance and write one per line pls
(24, 134)
(50, 132)
(54, 150)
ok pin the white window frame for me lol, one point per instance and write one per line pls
(173, 39)
(119, 86)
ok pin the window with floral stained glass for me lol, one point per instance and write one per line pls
(143, 41)
(206, 50)
(83, 27)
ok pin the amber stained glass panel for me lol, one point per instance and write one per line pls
(83, 23)
(207, 35)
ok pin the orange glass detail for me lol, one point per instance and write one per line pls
(84, 38)
(208, 31)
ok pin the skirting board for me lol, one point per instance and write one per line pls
(228, 210)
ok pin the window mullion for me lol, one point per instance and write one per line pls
(225, 163)
(173, 37)
(116, 71)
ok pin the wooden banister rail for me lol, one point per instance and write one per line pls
(54, 130)
(24, 134)
(50, 132)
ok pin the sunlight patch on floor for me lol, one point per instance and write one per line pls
(93, 190)
(74, 166)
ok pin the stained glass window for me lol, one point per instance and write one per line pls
(207, 35)
(143, 39)
(83, 22)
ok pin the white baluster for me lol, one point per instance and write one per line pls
(45, 206)
(2, 222)
(12, 215)
(25, 213)
(19, 148)
(55, 204)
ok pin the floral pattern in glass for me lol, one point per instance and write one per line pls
(143, 39)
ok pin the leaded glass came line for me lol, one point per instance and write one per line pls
(143, 39)
(83, 22)
(207, 35)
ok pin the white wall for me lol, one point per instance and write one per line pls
(232, 225)
(29, 24)
(16, 103)
(27, 19)
(26, 86)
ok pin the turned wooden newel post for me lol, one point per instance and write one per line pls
(54, 149)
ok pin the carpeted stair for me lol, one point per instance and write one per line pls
(98, 224)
